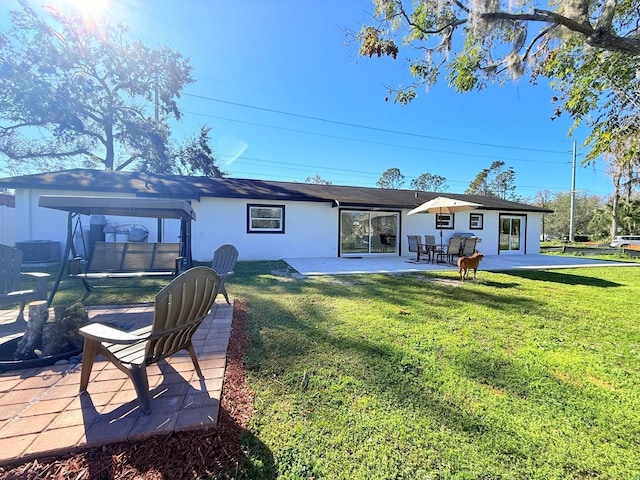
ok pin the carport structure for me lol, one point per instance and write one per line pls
(120, 206)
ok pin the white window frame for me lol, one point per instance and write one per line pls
(253, 207)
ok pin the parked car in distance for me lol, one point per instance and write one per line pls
(623, 241)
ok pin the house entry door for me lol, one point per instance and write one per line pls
(368, 232)
(512, 228)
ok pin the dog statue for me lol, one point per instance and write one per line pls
(468, 263)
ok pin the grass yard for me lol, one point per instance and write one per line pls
(521, 375)
(528, 375)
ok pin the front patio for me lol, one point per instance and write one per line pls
(41, 412)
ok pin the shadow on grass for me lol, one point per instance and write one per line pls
(298, 332)
(527, 380)
(280, 340)
(560, 277)
(492, 284)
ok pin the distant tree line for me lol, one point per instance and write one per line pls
(593, 215)
(497, 180)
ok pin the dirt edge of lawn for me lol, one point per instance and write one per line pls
(215, 452)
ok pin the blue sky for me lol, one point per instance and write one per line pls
(287, 98)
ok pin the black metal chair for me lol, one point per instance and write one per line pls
(416, 246)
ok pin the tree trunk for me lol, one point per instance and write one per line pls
(614, 205)
(32, 338)
(62, 335)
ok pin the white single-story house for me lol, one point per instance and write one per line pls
(270, 220)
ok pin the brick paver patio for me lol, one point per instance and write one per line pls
(42, 413)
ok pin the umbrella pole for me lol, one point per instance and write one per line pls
(441, 244)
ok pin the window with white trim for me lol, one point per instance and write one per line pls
(265, 218)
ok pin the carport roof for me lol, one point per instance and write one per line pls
(101, 182)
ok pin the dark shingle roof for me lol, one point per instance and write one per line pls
(194, 188)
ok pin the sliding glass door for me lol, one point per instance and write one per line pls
(368, 232)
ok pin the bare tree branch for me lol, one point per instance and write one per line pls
(596, 37)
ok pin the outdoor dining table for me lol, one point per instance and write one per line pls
(439, 253)
(436, 252)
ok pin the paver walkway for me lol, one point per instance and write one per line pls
(41, 412)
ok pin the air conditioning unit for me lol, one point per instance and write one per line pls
(39, 251)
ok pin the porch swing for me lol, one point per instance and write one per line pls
(122, 259)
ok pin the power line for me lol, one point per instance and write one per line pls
(242, 174)
(347, 124)
(338, 137)
(346, 173)
(341, 171)
(325, 101)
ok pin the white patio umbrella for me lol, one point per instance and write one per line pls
(442, 205)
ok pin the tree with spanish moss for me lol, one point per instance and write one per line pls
(588, 49)
(76, 93)
(475, 42)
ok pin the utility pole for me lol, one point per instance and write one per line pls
(573, 194)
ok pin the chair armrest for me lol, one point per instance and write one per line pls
(105, 333)
(38, 275)
(223, 276)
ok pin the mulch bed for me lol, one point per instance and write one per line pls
(185, 455)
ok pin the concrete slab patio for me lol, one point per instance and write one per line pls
(395, 264)
(42, 413)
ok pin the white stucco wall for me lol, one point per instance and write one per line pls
(7, 225)
(424, 224)
(36, 223)
(534, 227)
(311, 230)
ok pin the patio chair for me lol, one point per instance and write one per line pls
(434, 249)
(224, 261)
(430, 241)
(469, 246)
(453, 249)
(179, 310)
(10, 273)
(415, 246)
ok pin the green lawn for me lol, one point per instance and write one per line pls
(514, 376)
(523, 375)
